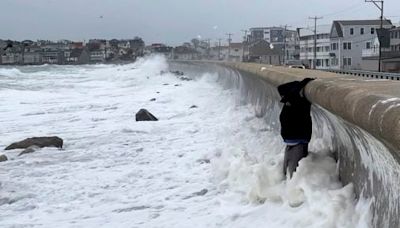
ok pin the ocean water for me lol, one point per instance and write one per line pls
(216, 165)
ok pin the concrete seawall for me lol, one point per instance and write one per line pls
(358, 121)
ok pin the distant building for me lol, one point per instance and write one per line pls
(185, 53)
(137, 45)
(322, 60)
(287, 39)
(349, 38)
(97, 51)
(12, 55)
(52, 56)
(272, 35)
(390, 60)
(160, 48)
(32, 58)
(263, 52)
(236, 52)
(77, 56)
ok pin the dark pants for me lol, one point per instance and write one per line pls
(293, 154)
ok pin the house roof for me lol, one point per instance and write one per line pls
(363, 22)
(236, 45)
(337, 25)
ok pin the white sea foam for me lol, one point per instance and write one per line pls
(115, 172)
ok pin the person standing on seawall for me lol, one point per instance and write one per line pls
(296, 124)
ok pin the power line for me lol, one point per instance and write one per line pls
(350, 8)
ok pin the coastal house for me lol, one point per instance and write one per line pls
(349, 37)
(137, 45)
(323, 58)
(97, 51)
(52, 56)
(32, 54)
(185, 53)
(390, 57)
(12, 55)
(264, 52)
(236, 52)
(77, 56)
(278, 36)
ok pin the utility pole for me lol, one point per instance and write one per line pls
(244, 43)
(219, 49)
(380, 7)
(315, 40)
(229, 44)
(208, 47)
(284, 44)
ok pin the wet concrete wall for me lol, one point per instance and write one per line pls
(357, 120)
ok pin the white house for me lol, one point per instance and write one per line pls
(349, 38)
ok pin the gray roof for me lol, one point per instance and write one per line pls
(364, 22)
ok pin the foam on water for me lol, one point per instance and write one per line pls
(212, 166)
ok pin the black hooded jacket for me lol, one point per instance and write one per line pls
(295, 116)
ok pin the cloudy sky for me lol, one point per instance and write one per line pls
(170, 21)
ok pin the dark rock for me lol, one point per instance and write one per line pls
(152, 99)
(129, 209)
(158, 92)
(204, 160)
(193, 106)
(201, 193)
(144, 115)
(41, 142)
(177, 85)
(185, 79)
(3, 158)
(29, 150)
(177, 73)
(165, 84)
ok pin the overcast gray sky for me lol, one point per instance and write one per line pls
(170, 21)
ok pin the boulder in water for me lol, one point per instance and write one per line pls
(40, 142)
(185, 79)
(29, 150)
(177, 73)
(144, 115)
(3, 158)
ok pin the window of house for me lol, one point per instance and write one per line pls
(346, 61)
(351, 31)
(368, 45)
(396, 34)
(327, 62)
(334, 62)
(326, 48)
(318, 49)
(372, 30)
(334, 46)
(347, 45)
(361, 31)
(318, 62)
